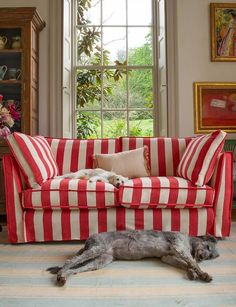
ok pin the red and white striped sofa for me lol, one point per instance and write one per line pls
(68, 209)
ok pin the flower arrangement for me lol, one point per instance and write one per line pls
(9, 118)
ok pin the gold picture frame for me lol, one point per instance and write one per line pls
(214, 106)
(223, 31)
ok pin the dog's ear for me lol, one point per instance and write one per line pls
(111, 177)
(209, 237)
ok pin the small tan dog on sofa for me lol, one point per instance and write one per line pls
(97, 175)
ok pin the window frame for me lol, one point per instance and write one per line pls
(153, 68)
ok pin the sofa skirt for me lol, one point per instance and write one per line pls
(55, 225)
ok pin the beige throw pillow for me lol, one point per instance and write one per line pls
(131, 164)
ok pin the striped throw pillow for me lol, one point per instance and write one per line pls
(199, 158)
(34, 157)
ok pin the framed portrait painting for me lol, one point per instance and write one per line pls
(223, 31)
(215, 106)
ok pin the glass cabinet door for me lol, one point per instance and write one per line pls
(10, 80)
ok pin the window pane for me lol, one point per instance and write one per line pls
(114, 12)
(88, 124)
(140, 88)
(92, 15)
(89, 46)
(114, 41)
(89, 88)
(115, 89)
(139, 12)
(140, 46)
(114, 124)
(141, 123)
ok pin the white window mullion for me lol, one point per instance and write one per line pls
(101, 27)
(102, 69)
(155, 61)
(113, 67)
(127, 77)
(113, 26)
(161, 69)
(67, 70)
(74, 48)
(101, 107)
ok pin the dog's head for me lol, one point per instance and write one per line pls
(117, 180)
(204, 248)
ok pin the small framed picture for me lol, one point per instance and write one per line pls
(215, 106)
(223, 31)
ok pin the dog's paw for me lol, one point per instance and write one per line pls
(95, 180)
(206, 277)
(61, 280)
(192, 275)
(54, 269)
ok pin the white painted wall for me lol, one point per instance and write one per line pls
(193, 58)
(43, 10)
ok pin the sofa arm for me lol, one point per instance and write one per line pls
(13, 187)
(222, 182)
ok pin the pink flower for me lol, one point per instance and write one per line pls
(8, 116)
(4, 132)
(13, 111)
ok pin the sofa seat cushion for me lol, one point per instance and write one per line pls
(164, 192)
(60, 193)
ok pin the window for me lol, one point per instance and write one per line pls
(116, 68)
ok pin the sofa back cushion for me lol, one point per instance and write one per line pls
(34, 157)
(73, 154)
(198, 161)
(164, 153)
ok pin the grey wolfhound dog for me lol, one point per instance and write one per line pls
(174, 248)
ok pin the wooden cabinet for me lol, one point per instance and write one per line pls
(19, 60)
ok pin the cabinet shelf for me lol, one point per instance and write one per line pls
(10, 51)
(10, 82)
